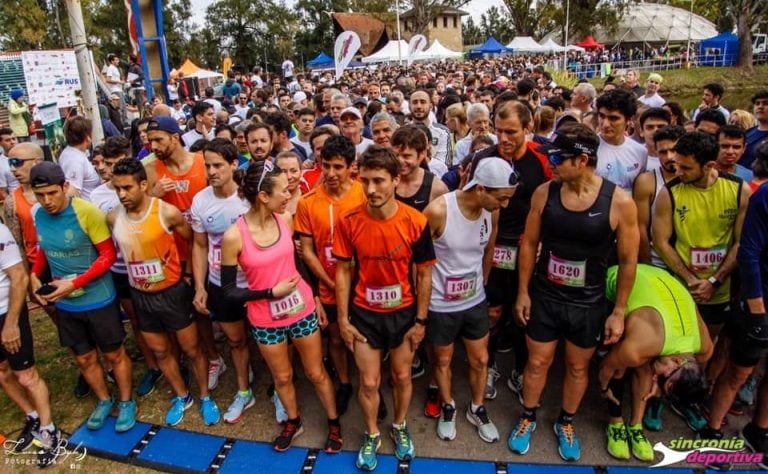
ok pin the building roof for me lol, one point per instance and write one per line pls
(656, 22)
(448, 11)
(371, 30)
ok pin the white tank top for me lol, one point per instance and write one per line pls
(656, 260)
(457, 279)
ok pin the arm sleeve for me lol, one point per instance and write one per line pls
(41, 262)
(422, 248)
(231, 291)
(754, 239)
(107, 256)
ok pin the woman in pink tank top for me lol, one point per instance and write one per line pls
(279, 301)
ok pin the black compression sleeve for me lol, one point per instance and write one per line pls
(239, 295)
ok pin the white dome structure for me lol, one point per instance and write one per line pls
(658, 23)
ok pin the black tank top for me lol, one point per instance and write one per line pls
(419, 200)
(575, 248)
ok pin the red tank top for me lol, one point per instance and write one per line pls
(265, 267)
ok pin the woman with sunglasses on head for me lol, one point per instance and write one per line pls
(664, 344)
(279, 301)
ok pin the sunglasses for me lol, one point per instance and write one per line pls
(556, 159)
(18, 162)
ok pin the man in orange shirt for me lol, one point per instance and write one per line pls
(316, 222)
(386, 313)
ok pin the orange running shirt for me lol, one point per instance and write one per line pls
(317, 216)
(149, 249)
(384, 251)
(26, 224)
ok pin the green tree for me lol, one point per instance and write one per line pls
(23, 25)
(495, 22)
(426, 10)
(472, 33)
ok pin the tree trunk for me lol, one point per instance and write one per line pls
(745, 35)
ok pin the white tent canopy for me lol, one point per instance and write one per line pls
(525, 44)
(388, 53)
(551, 46)
(438, 51)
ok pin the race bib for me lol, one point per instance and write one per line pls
(384, 296)
(150, 271)
(566, 272)
(707, 260)
(505, 257)
(329, 259)
(459, 288)
(287, 306)
(215, 257)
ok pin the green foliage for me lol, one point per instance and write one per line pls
(24, 25)
(492, 23)
(473, 35)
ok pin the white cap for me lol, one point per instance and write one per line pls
(299, 97)
(492, 172)
(353, 111)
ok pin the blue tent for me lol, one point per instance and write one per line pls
(720, 50)
(491, 46)
(322, 60)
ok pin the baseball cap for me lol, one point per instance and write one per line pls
(493, 172)
(351, 110)
(45, 174)
(299, 97)
(655, 77)
(562, 145)
(164, 124)
(360, 101)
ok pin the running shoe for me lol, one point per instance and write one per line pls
(126, 416)
(490, 383)
(756, 439)
(519, 441)
(343, 395)
(215, 369)
(178, 406)
(432, 403)
(49, 441)
(28, 434)
(515, 384)
(148, 381)
(485, 427)
(209, 411)
(82, 389)
(618, 444)
(641, 447)
(238, 406)
(99, 415)
(281, 416)
(707, 432)
(334, 442)
(291, 430)
(652, 416)
(366, 457)
(747, 391)
(737, 408)
(692, 414)
(404, 450)
(418, 367)
(569, 446)
(446, 425)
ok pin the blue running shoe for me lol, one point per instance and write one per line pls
(404, 450)
(366, 457)
(239, 404)
(519, 441)
(652, 416)
(99, 415)
(178, 406)
(569, 445)
(747, 391)
(148, 381)
(209, 411)
(126, 416)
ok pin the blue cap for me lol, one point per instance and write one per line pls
(164, 124)
(16, 93)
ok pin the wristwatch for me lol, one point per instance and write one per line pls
(715, 282)
(423, 321)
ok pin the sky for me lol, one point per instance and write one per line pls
(475, 8)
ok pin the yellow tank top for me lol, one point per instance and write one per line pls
(149, 249)
(703, 221)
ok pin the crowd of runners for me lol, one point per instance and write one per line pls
(359, 229)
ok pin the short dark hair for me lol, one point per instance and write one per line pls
(228, 128)
(763, 94)
(5, 131)
(580, 133)
(337, 145)
(715, 89)
(253, 126)
(279, 122)
(700, 145)
(760, 165)
(732, 131)
(223, 147)
(200, 108)
(130, 167)
(116, 146)
(303, 111)
(380, 157)
(710, 115)
(525, 86)
(411, 137)
(77, 130)
(670, 132)
(657, 113)
(618, 99)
